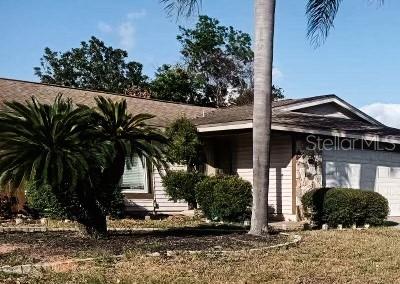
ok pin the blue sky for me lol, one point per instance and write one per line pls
(358, 62)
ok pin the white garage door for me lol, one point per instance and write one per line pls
(370, 170)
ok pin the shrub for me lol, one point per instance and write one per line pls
(313, 204)
(225, 198)
(180, 185)
(184, 143)
(378, 208)
(345, 206)
(44, 202)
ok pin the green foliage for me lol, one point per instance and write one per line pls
(180, 185)
(93, 65)
(345, 206)
(313, 204)
(54, 145)
(184, 144)
(75, 152)
(128, 134)
(175, 83)
(247, 96)
(221, 57)
(44, 143)
(42, 199)
(225, 198)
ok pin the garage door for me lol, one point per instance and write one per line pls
(370, 170)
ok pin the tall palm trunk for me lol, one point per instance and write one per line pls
(263, 57)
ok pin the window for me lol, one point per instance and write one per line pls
(135, 178)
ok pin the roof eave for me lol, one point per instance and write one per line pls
(248, 124)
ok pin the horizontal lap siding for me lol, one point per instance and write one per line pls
(164, 204)
(280, 193)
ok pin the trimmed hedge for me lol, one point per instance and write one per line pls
(345, 206)
(224, 198)
(180, 185)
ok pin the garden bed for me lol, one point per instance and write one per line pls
(31, 248)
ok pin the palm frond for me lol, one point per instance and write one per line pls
(321, 15)
(181, 8)
(131, 134)
(46, 143)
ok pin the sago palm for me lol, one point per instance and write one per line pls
(129, 135)
(52, 145)
(43, 143)
(321, 15)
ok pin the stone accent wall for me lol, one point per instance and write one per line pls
(308, 171)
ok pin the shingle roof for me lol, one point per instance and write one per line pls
(298, 119)
(327, 123)
(165, 112)
(241, 113)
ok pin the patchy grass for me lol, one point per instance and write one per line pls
(370, 256)
(26, 248)
(170, 222)
(128, 223)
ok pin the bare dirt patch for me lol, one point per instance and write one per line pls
(56, 246)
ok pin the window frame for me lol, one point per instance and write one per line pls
(137, 194)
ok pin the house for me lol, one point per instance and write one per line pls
(141, 186)
(317, 141)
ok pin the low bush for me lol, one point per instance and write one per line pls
(224, 198)
(42, 200)
(345, 206)
(180, 185)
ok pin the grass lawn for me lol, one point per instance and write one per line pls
(371, 256)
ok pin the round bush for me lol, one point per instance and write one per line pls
(180, 185)
(313, 202)
(224, 198)
(345, 206)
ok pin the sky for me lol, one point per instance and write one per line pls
(359, 61)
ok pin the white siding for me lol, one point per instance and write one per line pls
(164, 204)
(364, 169)
(280, 193)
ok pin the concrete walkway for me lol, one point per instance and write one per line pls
(287, 225)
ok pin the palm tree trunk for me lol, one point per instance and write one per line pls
(263, 57)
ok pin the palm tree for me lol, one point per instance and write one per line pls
(80, 153)
(49, 145)
(129, 135)
(321, 15)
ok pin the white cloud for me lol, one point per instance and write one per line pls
(126, 34)
(137, 14)
(125, 31)
(104, 27)
(388, 114)
(276, 74)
